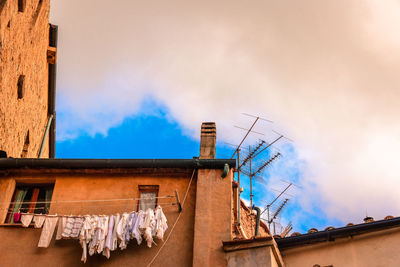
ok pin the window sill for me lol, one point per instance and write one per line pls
(19, 225)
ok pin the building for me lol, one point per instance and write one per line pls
(208, 225)
(27, 79)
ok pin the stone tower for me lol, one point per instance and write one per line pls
(27, 79)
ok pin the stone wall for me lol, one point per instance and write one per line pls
(24, 39)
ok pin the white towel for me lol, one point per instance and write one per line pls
(47, 231)
(39, 220)
(26, 219)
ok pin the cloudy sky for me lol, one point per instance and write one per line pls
(137, 77)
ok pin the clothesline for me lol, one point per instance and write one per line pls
(82, 201)
(169, 203)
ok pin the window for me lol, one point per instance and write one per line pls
(148, 196)
(26, 146)
(30, 198)
(20, 84)
(21, 5)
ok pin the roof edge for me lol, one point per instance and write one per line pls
(34, 163)
(330, 235)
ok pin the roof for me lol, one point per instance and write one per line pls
(25, 163)
(331, 233)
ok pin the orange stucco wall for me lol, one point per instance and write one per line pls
(20, 244)
(374, 249)
(24, 39)
(197, 239)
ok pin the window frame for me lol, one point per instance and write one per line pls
(36, 188)
(147, 189)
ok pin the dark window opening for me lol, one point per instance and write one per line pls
(148, 197)
(21, 5)
(30, 198)
(26, 146)
(20, 84)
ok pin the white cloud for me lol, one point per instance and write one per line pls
(325, 71)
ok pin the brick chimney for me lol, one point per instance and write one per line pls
(208, 140)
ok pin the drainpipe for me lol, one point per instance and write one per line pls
(257, 220)
(45, 135)
(238, 198)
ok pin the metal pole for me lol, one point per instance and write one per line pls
(251, 183)
(254, 123)
(45, 135)
(238, 204)
(270, 204)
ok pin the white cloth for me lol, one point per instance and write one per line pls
(92, 247)
(132, 226)
(72, 227)
(60, 228)
(47, 231)
(102, 233)
(147, 227)
(39, 220)
(26, 219)
(121, 230)
(108, 241)
(136, 230)
(114, 238)
(85, 235)
(161, 223)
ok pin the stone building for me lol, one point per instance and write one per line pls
(27, 78)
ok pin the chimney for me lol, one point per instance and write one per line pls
(208, 140)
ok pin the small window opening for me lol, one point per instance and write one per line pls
(26, 146)
(21, 5)
(148, 197)
(30, 198)
(20, 84)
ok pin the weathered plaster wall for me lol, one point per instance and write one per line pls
(213, 222)
(24, 38)
(373, 249)
(17, 241)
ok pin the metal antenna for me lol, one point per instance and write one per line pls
(273, 201)
(252, 153)
(278, 211)
(267, 163)
(244, 138)
(273, 142)
(247, 130)
(246, 114)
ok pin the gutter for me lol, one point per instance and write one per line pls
(330, 235)
(34, 163)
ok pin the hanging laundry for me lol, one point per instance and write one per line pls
(93, 231)
(47, 231)
(86, 235)
(134, 216)
(26, 219)
(114, 238)
(147, 227)
(72, 227)
(108, 242)
(161, 223)
(17, 217)
(102, 233)
(121, 230)
(60, 228)
(136, 230)
(39, 219)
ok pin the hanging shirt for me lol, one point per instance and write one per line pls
(47, 231)
(121, 230)
(108, 241)
(102, 233)
(60, 228)
(92, 247)
(26, 219)
(161, 223)
(147, 227)
(39, 220)
(132, 226)
(86, 235)
(114, 238)
(136, 230)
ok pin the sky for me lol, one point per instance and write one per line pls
(137, 78)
